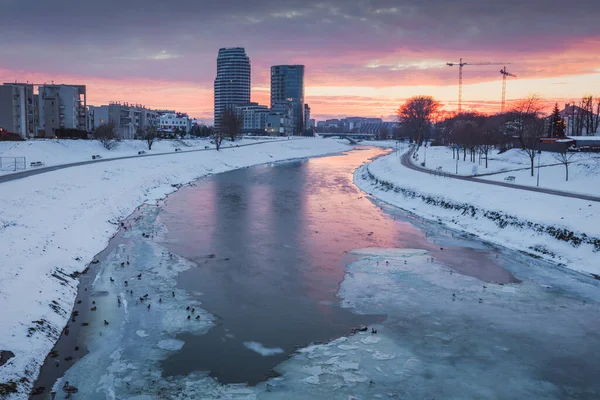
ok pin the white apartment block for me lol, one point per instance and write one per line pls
(174, 122)
(13, 112)
(61, 106)
(128, 118)
(31, 108)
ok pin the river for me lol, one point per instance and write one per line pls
(255, 257)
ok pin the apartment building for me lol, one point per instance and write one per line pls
(61, 106)
(13, 110)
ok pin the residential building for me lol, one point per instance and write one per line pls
(31, 108)
(174, 123)
(232, 83)
(254, 117)
(306, 117)
(128, 118)
(13, 110)
(287, 111)
(61, 106)
(287, 84)
(277, 124)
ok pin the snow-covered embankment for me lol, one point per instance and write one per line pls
(560, 229)
(51, 226)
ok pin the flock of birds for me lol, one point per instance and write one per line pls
(191, 313)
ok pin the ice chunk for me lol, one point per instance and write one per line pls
(350, 377)
(383, 356)
(142, 333)
(316, 370)
(347, 365)
(262, 350)
(312, 380)
(347, 347)
(170, 344)
(388, 252)
(332, 361)
(371, 340)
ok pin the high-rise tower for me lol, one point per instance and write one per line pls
(232, 84)
(287, 85)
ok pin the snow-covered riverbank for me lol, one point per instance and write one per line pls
(560, 229)
(52, 152)
(52, 225)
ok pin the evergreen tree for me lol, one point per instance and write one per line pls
(557, 125)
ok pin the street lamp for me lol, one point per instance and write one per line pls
(538, 174)
(457, 159)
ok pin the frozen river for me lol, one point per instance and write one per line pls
(268, 260)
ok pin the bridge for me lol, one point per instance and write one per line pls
(351, 137)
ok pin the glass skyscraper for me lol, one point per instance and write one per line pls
(287, 86)
(232, 84)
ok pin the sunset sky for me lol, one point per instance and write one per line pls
(362, 57)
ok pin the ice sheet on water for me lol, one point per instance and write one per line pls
(124, 355)
(371, 340)
(171, 344)
(388, 252)
(262, 350)
(424, 349)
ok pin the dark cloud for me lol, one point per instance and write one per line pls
(178, 39)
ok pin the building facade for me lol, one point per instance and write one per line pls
(61, 107)
(174, 123)
(128, 118)
(287, 111)
(307, 125)
(287, 85)
(254, 117)
(232, 83)
(13, 110)
(31, 108)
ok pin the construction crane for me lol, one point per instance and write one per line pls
(461, 64)
(504, 73)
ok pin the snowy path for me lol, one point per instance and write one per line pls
(408, 164)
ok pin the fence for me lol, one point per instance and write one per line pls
(12, 163)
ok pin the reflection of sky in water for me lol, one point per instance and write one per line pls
(279, 235)
(269, 245)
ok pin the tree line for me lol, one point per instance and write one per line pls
(476, 134)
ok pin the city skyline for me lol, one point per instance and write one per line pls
(361, 59)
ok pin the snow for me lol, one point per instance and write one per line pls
(57, 152)
(584, 175)
(52, 225)
(499, 215)
(583, 168)
(262, 350)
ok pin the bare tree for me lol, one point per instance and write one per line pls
(107, 135)
(150, 135)
(565, 158)
(383, 133)
(490, 135)
(591, 114)
(416, 115)
(231, 123)
(528, 125)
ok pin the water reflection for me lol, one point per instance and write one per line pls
(270, 244)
